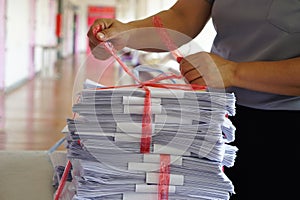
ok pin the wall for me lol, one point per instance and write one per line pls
(28, 24)
(2, 43)
(45, 29)
(154, 5)
(17, 42)
(206, 37)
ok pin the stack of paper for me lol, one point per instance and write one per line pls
(137, 175)
(104, 142)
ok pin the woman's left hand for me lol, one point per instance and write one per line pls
(208, 69)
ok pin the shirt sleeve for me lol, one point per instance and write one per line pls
(210, 1)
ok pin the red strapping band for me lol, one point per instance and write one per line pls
(157, 22)
(63, 180)
(146, 121)
(66, 170)
(146, 124)
(164, 177)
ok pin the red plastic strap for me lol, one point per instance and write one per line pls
(191, 87)
(67, 169)
(63, 180)
(165, 37)
(109, 47)
(164, 177)
(146, 124)
(162, 77)
(146, 121)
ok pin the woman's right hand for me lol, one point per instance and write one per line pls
(104, 30)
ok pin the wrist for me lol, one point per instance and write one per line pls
(235, 74)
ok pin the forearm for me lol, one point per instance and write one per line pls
(183, 21)
(186, 16)
(280, 77)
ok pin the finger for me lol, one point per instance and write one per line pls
(199, 81)
(91, 45)
(107, 34)
(98, 26)
(185, 66)
(92, 36)
(193, 75)
(188, 71)
(103, 29)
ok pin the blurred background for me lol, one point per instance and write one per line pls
(43, 44)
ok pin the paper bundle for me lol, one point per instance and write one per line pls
(191, 127)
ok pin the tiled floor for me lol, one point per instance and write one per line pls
(33, 115)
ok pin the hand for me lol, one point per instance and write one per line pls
(208, 69)
(107, 30)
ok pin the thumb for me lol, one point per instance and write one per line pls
(99, 29)
(100, 36)
(106, 34)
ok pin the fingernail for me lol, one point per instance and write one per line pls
(100, 36)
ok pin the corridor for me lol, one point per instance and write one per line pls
(35, 113)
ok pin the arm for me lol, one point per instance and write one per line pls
(279, 77)
(187, 17)
(183, 22)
